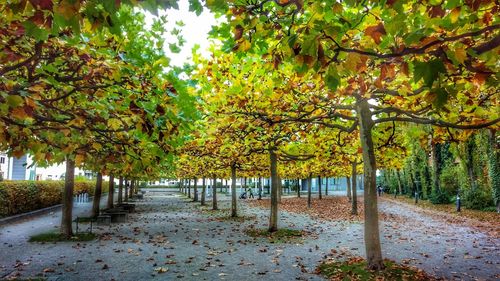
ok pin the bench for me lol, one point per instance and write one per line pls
(100, 219)
(116, 216)
(127, 207)
(138, 196)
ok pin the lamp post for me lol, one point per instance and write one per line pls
(458, 201)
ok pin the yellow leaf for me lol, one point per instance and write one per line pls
(245, 45)
(79, 159)
(455, 13)
(460, 55)
(114, 123)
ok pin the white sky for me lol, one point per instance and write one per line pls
(195, 31)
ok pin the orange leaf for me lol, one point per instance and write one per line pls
(375, 32)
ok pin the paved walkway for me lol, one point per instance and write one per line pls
(170, 233)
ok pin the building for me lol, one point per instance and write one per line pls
(13, 168)
(23, 168)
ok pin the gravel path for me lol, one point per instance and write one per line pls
(176, 236)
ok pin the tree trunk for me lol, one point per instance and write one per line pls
(234, 208)
(120, 190)
(96, 201)
(309, 188)
(434, 166)
(67, 199)
(348, 179)
(470, 162)
(326, 187)
(298, 188)
(354, 201)
(400, 184)
(111, 192)
(132, 187)
(203, 192)
(320, 196)
(493, 170)
(126, 190)
(280, 189)
(189, 188)
(260, 188)
(371, 235)
(273, 218)
(195, 190)
(214, 195)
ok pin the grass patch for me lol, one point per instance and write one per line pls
(283, 235)
(57, 237)
(355, 269)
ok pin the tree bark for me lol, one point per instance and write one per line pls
(371, 233)
(120, 190)
(132, 187)
(326, 187)
(203, 192)
(67, 199)
(493, 170)
(354, 201)
(309, 188)
(273, 218)
(280, 189)
(126, 190)
(298, 188)
(195, 190)
(348, 179)
(260, 188)
(320, 196)
(189, 188)
(400, 184)
(470, 162)
(214, 195)
(111, 192)
(234, 208)
(96, 201)
(434, 164)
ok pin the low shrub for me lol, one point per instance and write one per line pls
(57, 237)
(18, 197)
(440, 197)
(477, 199)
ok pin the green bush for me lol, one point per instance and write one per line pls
(450, 179)
(477, 199)
(18, 197)
(440, 197)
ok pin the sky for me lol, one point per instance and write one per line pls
(195, 31)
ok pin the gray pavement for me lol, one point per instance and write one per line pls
(173, 235)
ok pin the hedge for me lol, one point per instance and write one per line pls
(18, 197)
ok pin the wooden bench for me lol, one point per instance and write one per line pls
(138, 196)
(127, 207)
(116, 215)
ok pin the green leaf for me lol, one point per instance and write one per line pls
(174, 48)
(332, 79)
(195, 6)
(14, 101)
(429, 71)
(34, 31)
(441, 98)
(310, 46)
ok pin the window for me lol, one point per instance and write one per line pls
(2, 160)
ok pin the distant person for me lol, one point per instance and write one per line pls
(379, 190)
(250, 193)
